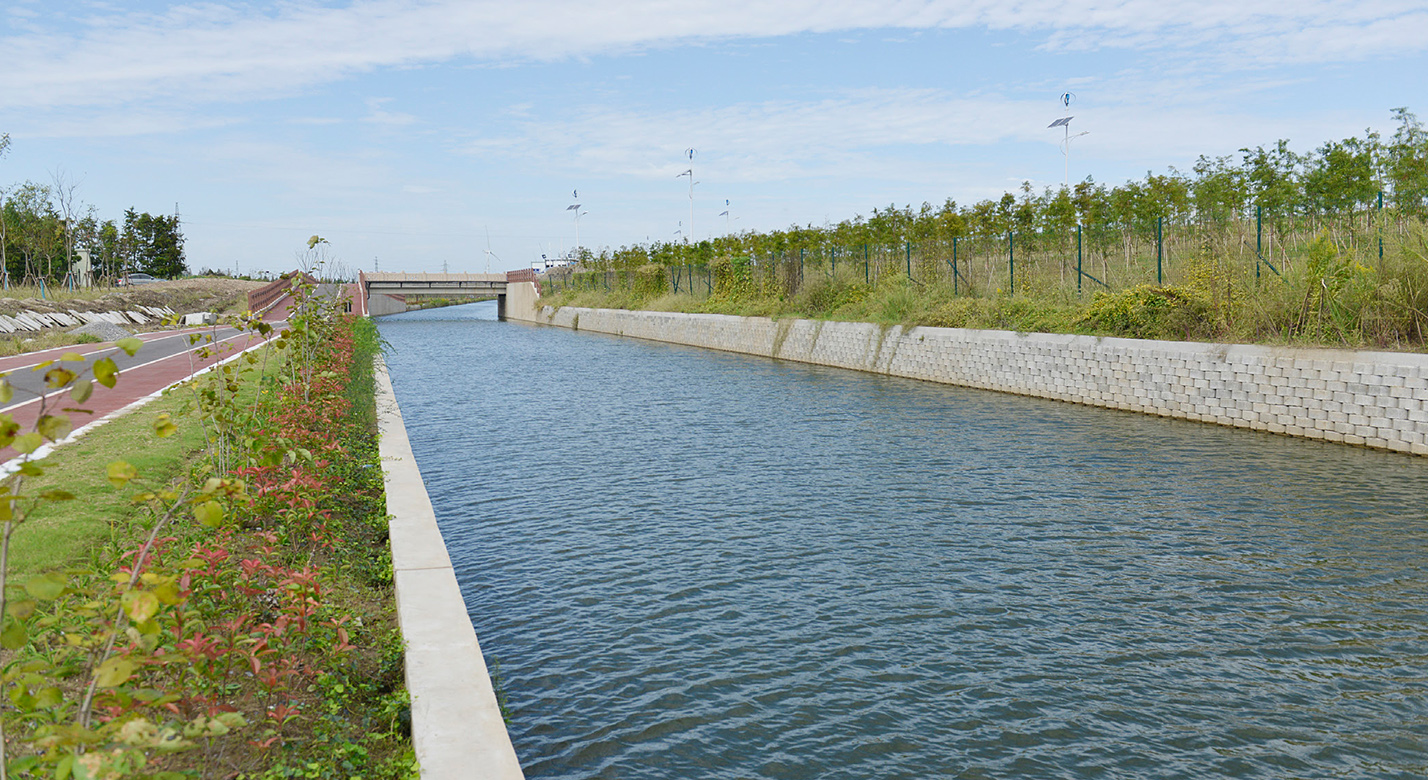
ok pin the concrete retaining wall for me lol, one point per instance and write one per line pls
(521, 301)
(457, 728)
(1374, 399)
(379, 304)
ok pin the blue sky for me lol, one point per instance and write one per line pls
(406, 131)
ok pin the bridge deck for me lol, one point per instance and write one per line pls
(434, 284)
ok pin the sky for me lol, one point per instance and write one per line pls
(454, 134)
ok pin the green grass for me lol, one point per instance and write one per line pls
(62, 534)
(67, 533)
(20, 343)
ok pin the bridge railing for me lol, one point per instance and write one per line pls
(267, 295)
(524, 275)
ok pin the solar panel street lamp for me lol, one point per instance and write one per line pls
(578, 214)
(1065, 123)
(690, 173)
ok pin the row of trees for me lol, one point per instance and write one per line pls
(1345, 186)
(44, 227)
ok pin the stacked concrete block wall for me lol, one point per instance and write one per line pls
(1374, 399)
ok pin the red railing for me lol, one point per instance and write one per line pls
(524, 275)
(267, 295)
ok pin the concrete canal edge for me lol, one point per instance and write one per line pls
(457, 728)
(1371, 399)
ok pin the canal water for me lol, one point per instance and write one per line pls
(693, 564)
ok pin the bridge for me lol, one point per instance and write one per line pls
(387, 293)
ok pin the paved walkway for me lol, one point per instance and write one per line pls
(166, 358)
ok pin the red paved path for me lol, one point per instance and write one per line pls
(134, 383)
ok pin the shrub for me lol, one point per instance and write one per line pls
(1147, 312)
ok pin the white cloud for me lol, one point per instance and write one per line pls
(380, 116)
(891, 134)
(210, 52)
(115, 123)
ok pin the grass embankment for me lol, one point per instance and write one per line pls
(1328, 295)
(218, 295)
(260, 641)
(194, 294)
(76, 533)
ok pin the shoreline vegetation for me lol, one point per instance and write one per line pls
(417, 303)
(216, 597)
(1324, 249)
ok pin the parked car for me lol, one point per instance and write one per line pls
(136, 278)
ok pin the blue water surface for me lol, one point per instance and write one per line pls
(694, 564)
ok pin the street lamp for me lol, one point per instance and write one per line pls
(690, 173)
(578, 214)
(1065, 122)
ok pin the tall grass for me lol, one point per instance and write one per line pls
(362, 386)
(1322, 290)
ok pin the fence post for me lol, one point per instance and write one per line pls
(800, 267)
(1078, 260)
(1379, 219)
(833, 260)
(1011, 265)
(1258, 238)
(909, 259)
(866, 278)
(954, 265)
(1159, 250)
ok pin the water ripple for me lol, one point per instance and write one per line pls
(706, 565)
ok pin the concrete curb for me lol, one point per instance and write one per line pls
(457, 728)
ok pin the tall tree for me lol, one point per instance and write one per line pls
(31, 214)
(64, 197)
(154, 244)
(1339, 177)
(1407, 164)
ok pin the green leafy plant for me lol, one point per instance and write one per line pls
(221, 633)
(1147, 312)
